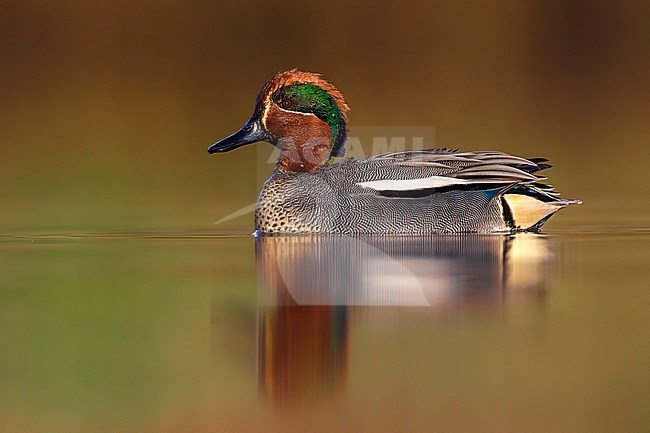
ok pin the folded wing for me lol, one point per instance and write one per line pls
(527, 201)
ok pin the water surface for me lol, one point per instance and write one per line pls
(210, 332)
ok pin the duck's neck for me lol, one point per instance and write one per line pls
(304, 140)
(305, 156)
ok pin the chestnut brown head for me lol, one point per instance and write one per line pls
(300, 113)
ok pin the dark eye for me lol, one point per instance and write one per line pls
(285, 103)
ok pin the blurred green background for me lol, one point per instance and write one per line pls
(106, 111)
(107, 107)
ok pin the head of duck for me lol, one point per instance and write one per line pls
(301, 114)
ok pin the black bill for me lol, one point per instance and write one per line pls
(251, 132)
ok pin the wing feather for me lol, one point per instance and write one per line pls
(441, 168)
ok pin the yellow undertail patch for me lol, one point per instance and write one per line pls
(527, 211)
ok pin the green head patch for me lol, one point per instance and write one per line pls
(308, 98)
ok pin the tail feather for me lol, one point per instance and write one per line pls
(529, 208)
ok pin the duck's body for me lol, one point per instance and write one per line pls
(386, 194)
(411, 192)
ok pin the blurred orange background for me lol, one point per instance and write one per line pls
(108, 107)
(106, 112)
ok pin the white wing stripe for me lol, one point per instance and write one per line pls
(413, 184)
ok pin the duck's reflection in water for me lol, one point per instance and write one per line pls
(309, 284)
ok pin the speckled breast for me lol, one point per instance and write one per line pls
(296, 203)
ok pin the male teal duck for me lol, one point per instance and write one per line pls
(411, 192)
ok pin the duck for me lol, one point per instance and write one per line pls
(410, 192)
